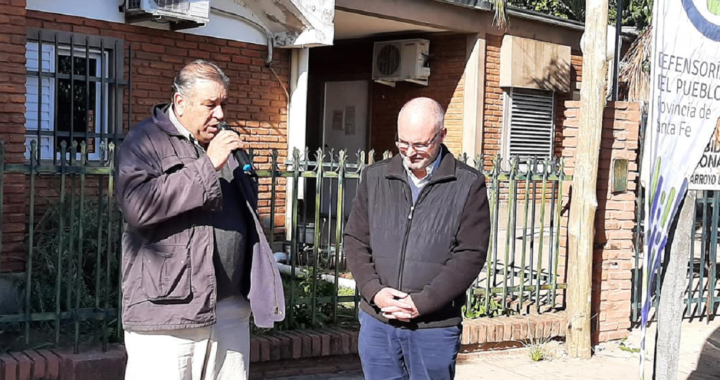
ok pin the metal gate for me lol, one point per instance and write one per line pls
(701, 296)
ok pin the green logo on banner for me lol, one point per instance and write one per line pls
(714, 7)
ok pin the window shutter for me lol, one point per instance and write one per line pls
(531, 124)
(32, 106)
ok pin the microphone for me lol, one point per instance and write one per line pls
(240, 155)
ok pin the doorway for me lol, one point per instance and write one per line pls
(344, 127)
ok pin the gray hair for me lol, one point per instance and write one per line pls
(185, 80)
(437, 113)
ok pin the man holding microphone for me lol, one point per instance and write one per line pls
(195, 261)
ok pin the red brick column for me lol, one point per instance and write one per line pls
(493, 105)
(12, 125)
(613, 259)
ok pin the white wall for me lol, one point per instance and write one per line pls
(220, 26)
(296, 125)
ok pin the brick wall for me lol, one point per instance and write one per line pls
(273, 355)
(493, 108)
(493, 127)
(257, 104)
(613, 258)
(353, 61)
(447, 65)
(494, 96)
(12, 120)
(576, 60)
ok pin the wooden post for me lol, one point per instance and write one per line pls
(670, 309)
(584, 199)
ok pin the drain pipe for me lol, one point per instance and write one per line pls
(262, 28)
(268, 35)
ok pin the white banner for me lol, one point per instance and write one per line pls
(707, 172)
(684, 109)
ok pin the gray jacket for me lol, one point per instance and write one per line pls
(166, 192)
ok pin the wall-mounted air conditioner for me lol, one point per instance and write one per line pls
(401, 60)
(181, 14)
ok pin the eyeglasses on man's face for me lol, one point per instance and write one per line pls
(418, 147)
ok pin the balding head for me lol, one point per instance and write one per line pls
(199, 98)
(421, 132)
(423, 109)
(198, 70)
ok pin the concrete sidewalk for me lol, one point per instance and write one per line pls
(518, 367)
(699, 360)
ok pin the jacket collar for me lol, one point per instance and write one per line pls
(161, 119)
(446, 169)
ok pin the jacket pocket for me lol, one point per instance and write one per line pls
(171, 164)
(166, 272)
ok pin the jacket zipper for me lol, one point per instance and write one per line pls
(401, 268)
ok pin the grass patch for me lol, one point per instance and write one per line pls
(625, 348)
(538, 347)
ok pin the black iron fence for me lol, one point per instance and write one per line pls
(65, 254)
(69, 290)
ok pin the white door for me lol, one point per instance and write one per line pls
(345, 126)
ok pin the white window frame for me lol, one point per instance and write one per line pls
(507, 136)
(46, 150)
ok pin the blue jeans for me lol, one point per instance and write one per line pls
(392, 353)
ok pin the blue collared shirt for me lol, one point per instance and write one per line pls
(416, 184)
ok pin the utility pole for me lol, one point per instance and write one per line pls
(584, 197)
(617, 58)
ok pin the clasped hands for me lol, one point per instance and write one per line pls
(395, 304)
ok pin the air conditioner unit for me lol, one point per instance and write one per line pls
(401, 60)
(181, 14)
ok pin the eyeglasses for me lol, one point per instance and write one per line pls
(418, 147)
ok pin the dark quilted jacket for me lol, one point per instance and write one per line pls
(432, 250)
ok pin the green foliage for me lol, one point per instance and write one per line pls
(639, 14)
(537, 352)
(346, 292)
(567, 9)
(500, 20)
(302, 318)
(636, 13)
(72, 271)
(78, 273)
(537, 346)
(625, 348)
(478, 308)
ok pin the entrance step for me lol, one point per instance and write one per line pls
(506, 329)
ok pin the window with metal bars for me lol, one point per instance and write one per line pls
(73, 93)
(529, 129)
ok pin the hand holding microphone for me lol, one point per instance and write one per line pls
(231, 140)
(221, 146)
